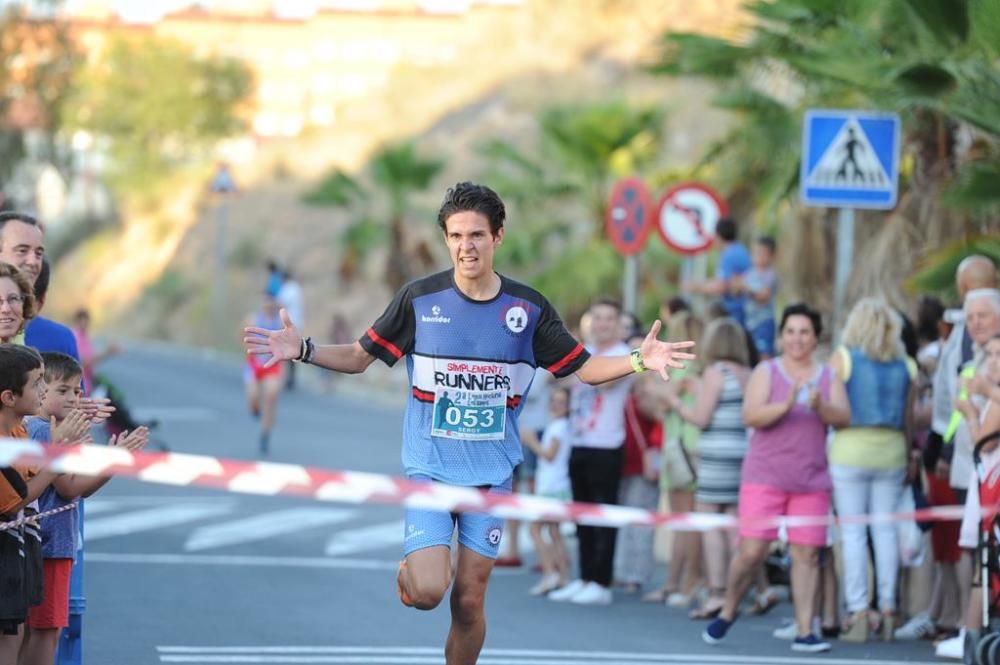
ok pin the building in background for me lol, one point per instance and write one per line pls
(310, 58)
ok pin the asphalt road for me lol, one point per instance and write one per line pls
(182, 575)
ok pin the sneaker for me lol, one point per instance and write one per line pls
(567, 592)
(917, 628)
(953, 647)
(716, 630)
(810, 644)
(548, 583)
(592, 594)
(789, 630)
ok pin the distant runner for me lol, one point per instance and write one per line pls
(264, 378)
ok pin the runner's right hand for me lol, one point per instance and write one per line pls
(284, 344)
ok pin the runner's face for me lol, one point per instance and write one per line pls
(61, 397)
(22, 246)
(11, 315)
(798, 339)
(471, 244)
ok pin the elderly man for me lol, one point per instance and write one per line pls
(982, 322)
(974, 272)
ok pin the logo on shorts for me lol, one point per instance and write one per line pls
(516, 319)
(494, 536)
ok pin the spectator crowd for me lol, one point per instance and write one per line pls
(775, 421)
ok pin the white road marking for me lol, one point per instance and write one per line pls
(264, 526)
(232, 560)
(364, 539)
(189, 414)
(434, 656)
(240, 560)
(98, 506)
(151, 519)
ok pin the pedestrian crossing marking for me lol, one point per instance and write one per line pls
(364, 539)
(489, 656)
(265, 526)
(150, 519)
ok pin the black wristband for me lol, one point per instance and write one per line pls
(310, 350)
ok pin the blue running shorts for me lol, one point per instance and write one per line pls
(479, 532)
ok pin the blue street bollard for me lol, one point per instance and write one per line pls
(71, 641)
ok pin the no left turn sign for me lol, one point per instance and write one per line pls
(687, 215)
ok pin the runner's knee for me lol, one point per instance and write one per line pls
(426, 594)
(467, 604)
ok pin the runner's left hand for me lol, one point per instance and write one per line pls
(659, 356)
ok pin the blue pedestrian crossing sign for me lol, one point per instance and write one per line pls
(850, 159)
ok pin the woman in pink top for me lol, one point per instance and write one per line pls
(790, 401)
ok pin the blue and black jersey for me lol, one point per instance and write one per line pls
(471, 364)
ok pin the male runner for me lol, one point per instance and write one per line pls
(471, 337)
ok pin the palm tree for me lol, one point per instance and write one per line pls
(397, 172)
(933, 61)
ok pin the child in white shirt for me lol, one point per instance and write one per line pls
(552, 481)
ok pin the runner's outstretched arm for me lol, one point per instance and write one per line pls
(654, 355)
(286, 344)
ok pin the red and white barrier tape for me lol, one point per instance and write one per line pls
(266, 478)
(5, 526)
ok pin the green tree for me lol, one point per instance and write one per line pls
(158, 104)
(397, 172)
(933, 61)
(39, 63)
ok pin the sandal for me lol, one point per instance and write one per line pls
(656, 595)
(763, 603)
(709, 610)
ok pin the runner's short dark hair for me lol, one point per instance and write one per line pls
(60, 367)
(725, 228)
(16, 362)
(468, 196)
(802, 309)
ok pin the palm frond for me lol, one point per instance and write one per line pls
(947, 21)
(337, 189)
(699, 55)
(936, 273)
(975, 187)
(984, 16)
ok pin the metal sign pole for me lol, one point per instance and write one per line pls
(845, 258)
(630, 285)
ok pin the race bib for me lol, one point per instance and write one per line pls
(470, 414)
